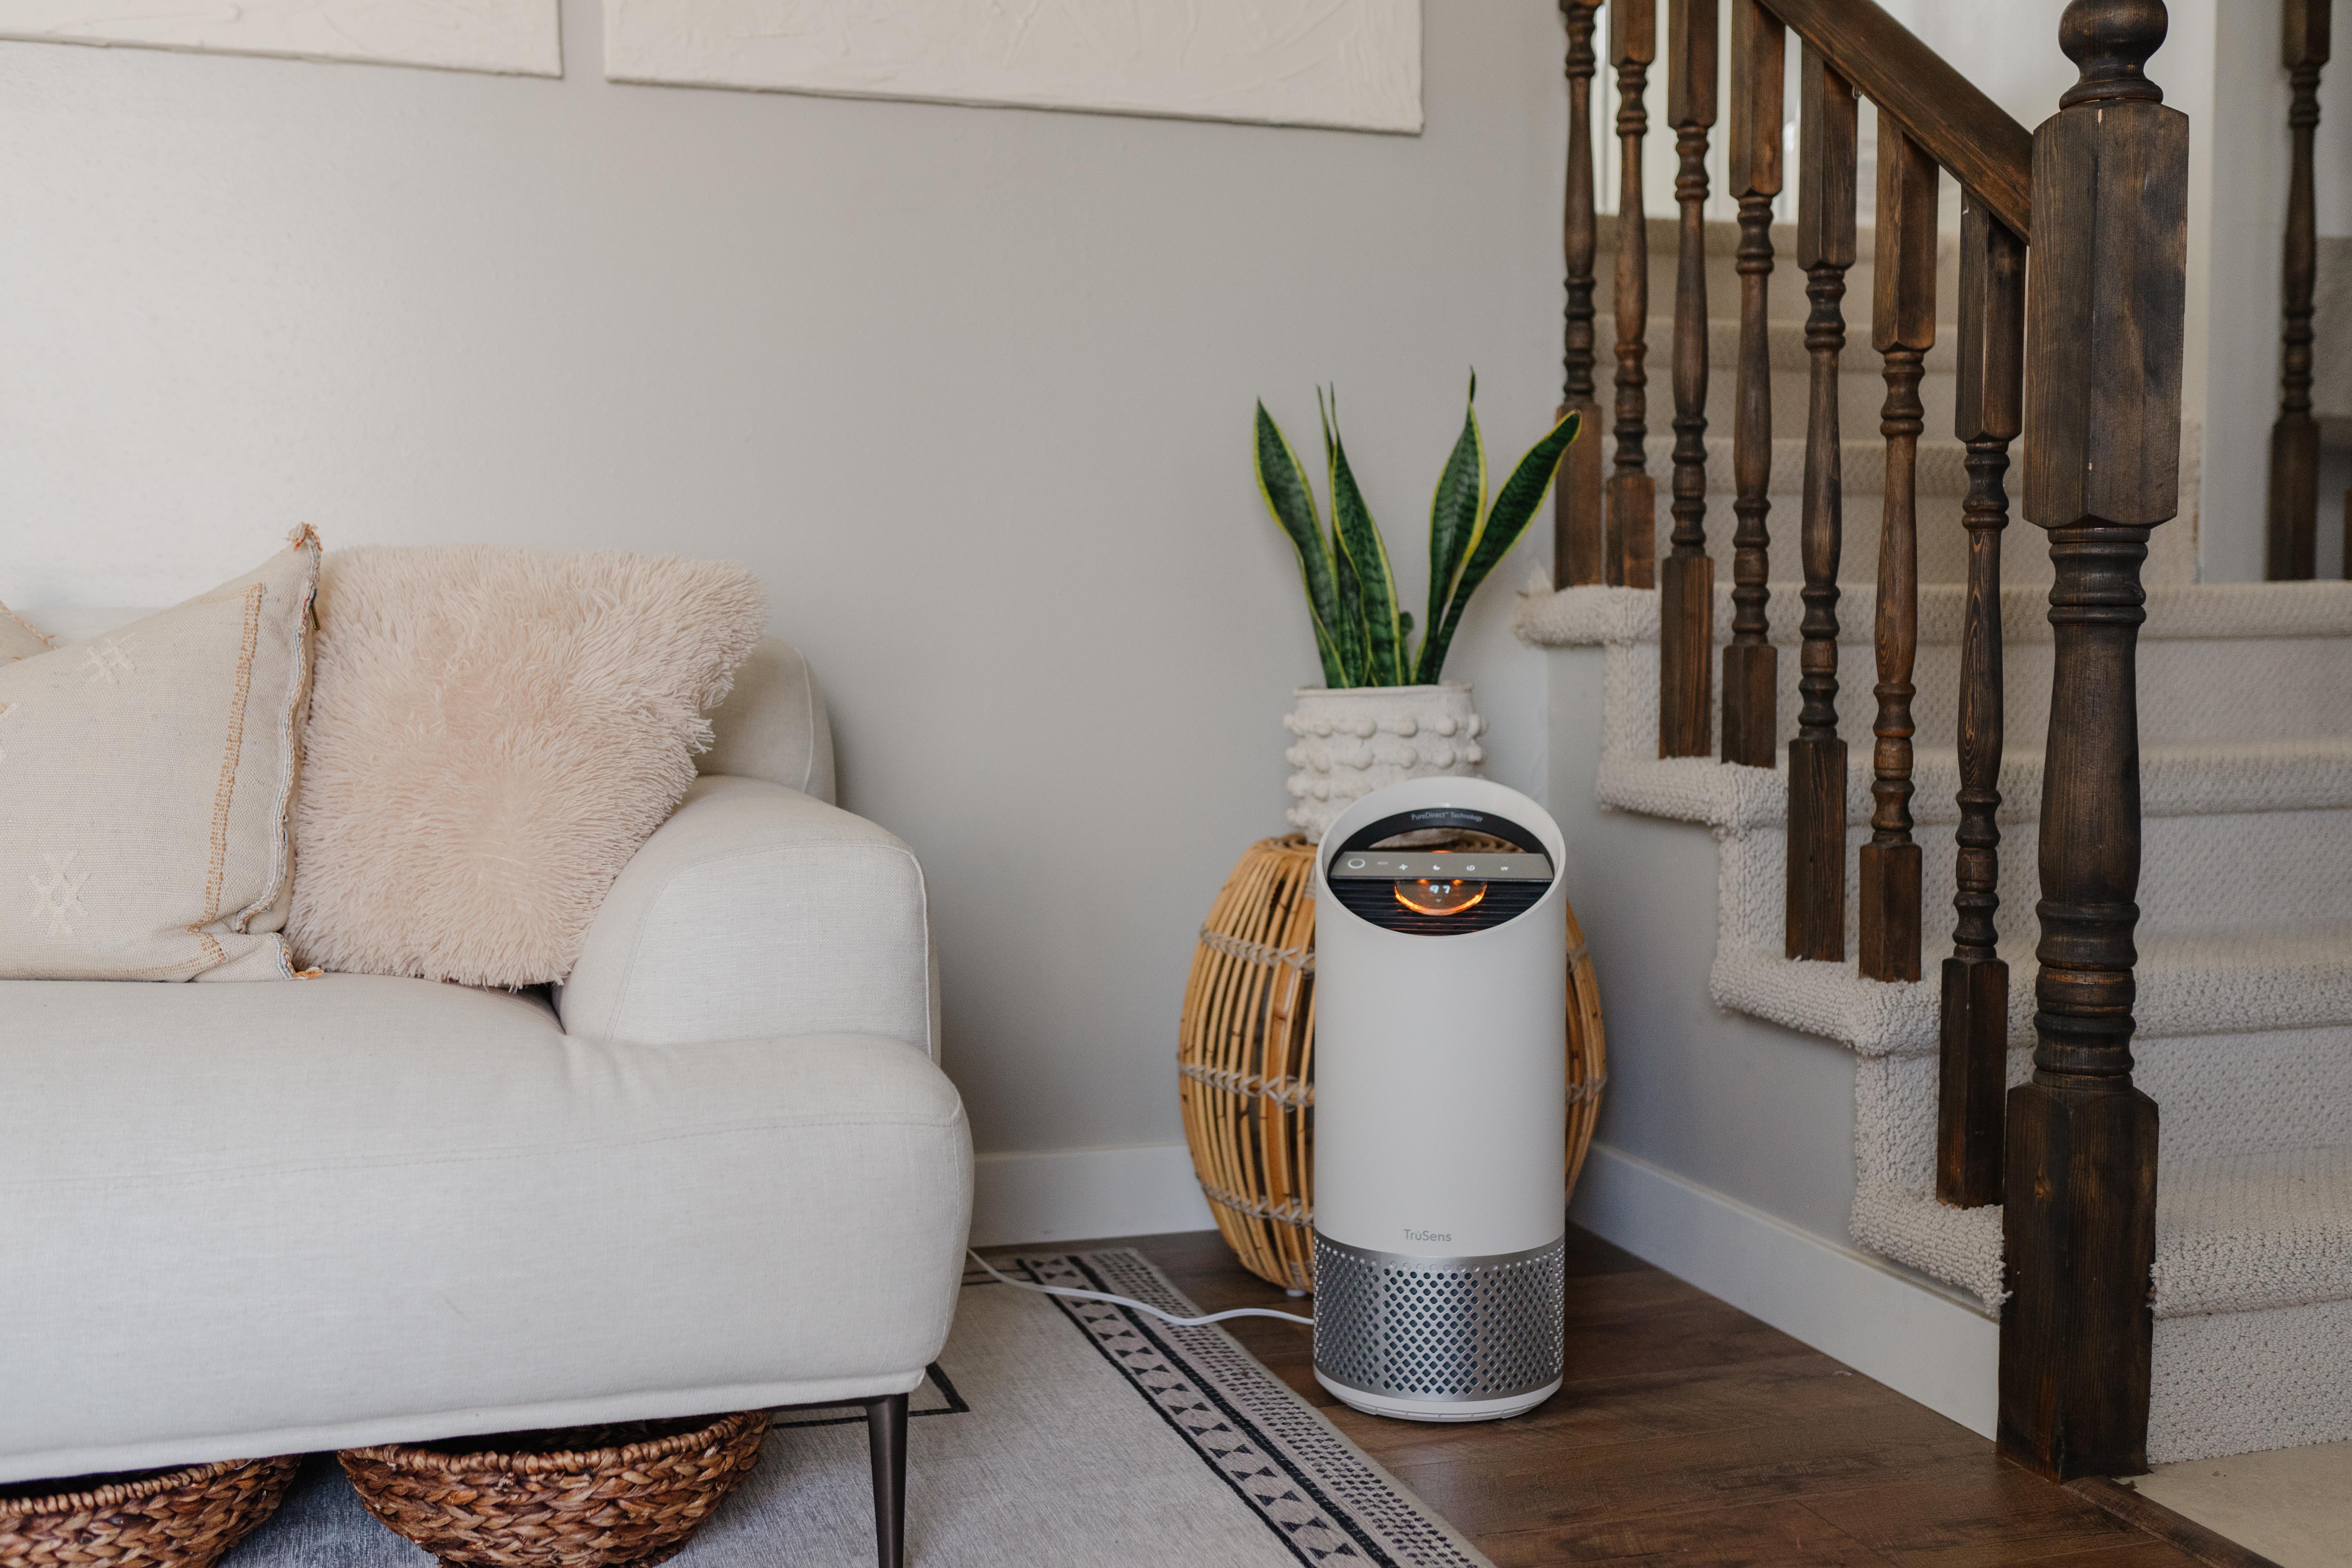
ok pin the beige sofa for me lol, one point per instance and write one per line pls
(719, 1169)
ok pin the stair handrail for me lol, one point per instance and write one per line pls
(1940, 109)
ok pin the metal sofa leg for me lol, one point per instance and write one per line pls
(886, 1430)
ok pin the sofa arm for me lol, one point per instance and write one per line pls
(758, 911)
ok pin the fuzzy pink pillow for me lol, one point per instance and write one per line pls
(493, 732)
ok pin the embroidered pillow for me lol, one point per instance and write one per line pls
(17, 637)
(146, 788)
(495, 732)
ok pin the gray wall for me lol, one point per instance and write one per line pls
(969, 388)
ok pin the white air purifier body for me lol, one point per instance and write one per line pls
(1441, 1089)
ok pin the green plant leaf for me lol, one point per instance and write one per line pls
(1454, 513)
(1514, 506)
(1283, 482)
(1359, 541)
(1349, 630)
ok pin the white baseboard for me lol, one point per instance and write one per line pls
(1069, 1195)
(1942, 1351)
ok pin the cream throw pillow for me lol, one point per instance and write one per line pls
(147, 785)
(494, 733)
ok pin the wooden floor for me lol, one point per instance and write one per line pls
(1689, 1433)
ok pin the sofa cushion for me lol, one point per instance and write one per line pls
(495, 732)
(277, 1219)
(758, 911)
(146, 787)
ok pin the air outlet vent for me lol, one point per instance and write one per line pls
(1377, 902)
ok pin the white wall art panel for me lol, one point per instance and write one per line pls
(1354, 64)
(518, 37)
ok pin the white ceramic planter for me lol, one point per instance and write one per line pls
(1358, 739)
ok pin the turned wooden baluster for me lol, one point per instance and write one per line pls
(1992, 411)
(1751, 679)
(1687, 583)
(1633, 537)
(1903, 328)
(1815, 922)
(2295, 437)
(1580, 531)
(2106, 302)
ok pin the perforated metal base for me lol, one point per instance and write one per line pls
(1434, 1332)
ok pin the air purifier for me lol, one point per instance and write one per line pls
(1440, 1087)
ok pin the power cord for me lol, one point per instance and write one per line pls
(1129, 1301)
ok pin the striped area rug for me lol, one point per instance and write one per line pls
(1052, 1434)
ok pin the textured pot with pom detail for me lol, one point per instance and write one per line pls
(1352, 740)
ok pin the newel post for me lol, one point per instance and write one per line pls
(2106, 300)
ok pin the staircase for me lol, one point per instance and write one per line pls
(2245, 960)
(2241, 805)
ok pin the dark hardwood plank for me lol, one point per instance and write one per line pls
(1814, 923)
(1759, 1535)
(1632, 524)
(2129, 1555)
(2107, 293)
(1677, 1473)
(1980, 1515)
(1580, 532)
(1938, 107)
(2153, 1518)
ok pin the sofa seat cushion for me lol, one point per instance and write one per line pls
(259, 1220)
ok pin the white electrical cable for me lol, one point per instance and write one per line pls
(1139, 1306)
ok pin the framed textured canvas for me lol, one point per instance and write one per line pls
(518, 37)
(1352, 64)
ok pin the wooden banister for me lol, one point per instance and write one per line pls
(1752, 680)
(1687, 581)
(1830, 148)
(1941, 110)
(2293, 545)
(1632, 528)
(1579, 530)
(2107, 304)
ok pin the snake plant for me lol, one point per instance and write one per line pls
(1361, 631)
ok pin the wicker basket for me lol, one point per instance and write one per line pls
(151, 1519)
(589, 1497)
(1246, 1059)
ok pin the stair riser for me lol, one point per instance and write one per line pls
(1785, 291)
(2206, 876)
(1861, 384)
(2217, 1095)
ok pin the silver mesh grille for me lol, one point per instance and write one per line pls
(1438, 1328)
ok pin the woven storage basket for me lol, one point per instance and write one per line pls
(154, 1519)
(589, 1497)
(1245, 1059)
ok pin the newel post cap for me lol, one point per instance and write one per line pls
(2110, 41)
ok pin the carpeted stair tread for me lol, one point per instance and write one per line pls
(2192, 984)
(1573, 617)
(2205, 779)
(2249, 1231)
